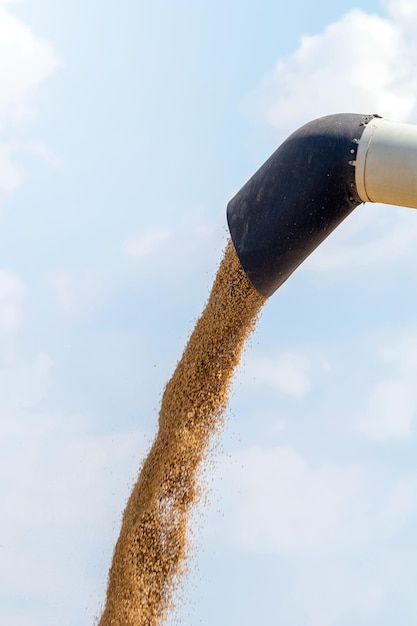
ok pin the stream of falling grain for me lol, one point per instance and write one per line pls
(150, 554)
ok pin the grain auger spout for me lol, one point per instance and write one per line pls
(311, 183)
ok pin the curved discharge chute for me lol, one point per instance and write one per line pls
(311, 183)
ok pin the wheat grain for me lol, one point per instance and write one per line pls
(150, 554)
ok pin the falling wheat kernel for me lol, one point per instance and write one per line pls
(150, 554)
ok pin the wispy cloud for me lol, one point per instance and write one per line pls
(391, 410)
(322, 520)
(373, 236)
(360, 63)
(62, 481)
(281, 503)
(286, 372)
(26, 61)
(64, 290)
(12, 294)
(283, 506)
(11, 175)
(143, 244)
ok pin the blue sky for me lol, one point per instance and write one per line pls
(125, 128)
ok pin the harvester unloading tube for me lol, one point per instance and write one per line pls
(311, 183)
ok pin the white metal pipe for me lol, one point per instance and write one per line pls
(386, 163)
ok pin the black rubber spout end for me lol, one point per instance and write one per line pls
(296, 199)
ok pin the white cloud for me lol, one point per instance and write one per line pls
(23, 384)
(64, 290)
(399, 505)
(364, 588)
(40, 149)
(361, 63)
(375, 234)
(26, 61)
(62, 488)
(279, 503)
(61, 517)
(335, 528)
(143, 244)
(287, 372)
(391, 410)
(402, 11)
(279, 425)
(11, 175)
(12, 294)
(81, 294)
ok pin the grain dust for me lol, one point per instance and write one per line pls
(150, 554)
